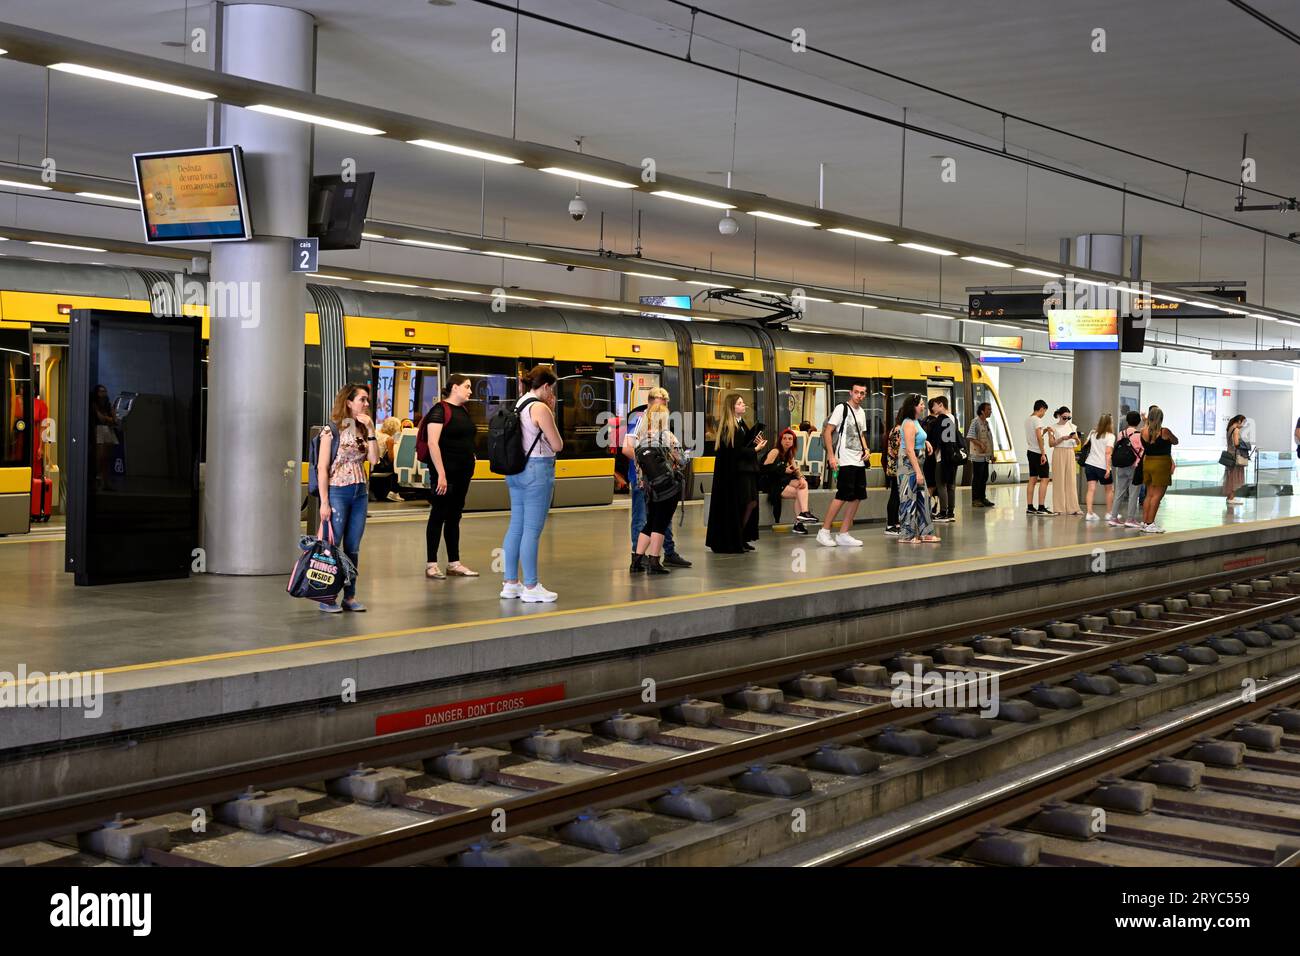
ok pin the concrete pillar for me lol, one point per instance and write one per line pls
(252, 491)
(1096, 373)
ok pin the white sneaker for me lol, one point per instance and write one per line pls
(1133, 524)
(511, 589)
(1092, 516)
(846, 540)
(1153, 528)
(537, 595)
(825, 538)
(1114, 522)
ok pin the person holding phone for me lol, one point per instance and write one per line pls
(916, 524)
(845, 438)
(343, 488)
(1064, 438)
(733, 503)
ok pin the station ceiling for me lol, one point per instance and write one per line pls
(1179, 81)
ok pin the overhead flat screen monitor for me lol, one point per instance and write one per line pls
(672, 301)
(193, 195)
(337, 209)
(1083, 329)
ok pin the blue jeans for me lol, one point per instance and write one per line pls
(638, 519)
(348, 520)
(530, 499)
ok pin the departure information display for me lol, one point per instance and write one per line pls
(193, 195)
(1081, 329)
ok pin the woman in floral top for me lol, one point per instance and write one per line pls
(342, 479)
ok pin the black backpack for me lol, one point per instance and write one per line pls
(506, 455)
(313, 458)
(655, 465)
(1124, 454)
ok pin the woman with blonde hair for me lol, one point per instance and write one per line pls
(658, 458)
(733, 505)
(1157, 466)
(1097, 467)
(383, 477)
(1064, 438)
(346, 441)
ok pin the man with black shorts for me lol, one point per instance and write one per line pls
(845, 438)
(1036, 446)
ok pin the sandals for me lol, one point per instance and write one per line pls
(432, 571)
(460, 571)
(929, 539)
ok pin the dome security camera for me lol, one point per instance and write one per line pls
(728, 226)
(577, 208)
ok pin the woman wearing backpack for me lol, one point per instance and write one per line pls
(652, 436)
(450, 434)
(1124, 459)
(341, 480)
(1157, 466)
(530, 489)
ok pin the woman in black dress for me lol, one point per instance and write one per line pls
(733, 511)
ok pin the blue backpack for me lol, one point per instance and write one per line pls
(313, 457)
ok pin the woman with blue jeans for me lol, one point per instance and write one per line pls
(342, 480)
(530, 490)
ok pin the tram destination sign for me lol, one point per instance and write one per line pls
(1032, 304)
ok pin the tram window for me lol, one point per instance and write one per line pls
(383, 389)
(585, 393)
(15, 378)
(807, 403)
(495, 383)
(1001, 441)
(712, 386)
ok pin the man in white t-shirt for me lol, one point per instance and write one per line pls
(845, 438)
(1036, 446)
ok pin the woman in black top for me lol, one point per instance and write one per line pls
(450, 434)
(733, 508)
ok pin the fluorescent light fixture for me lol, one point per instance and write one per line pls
(708, 285)
(612, 308)
(648, 275)
(64, 245)
(372, 235)
(511, 255)
(813, 298)
(3, 52)
(1087, 281)
(18, 185)
(323, 275)
(438, 288)
(521, 298)
(871, 236)
(572, 305)
(1039, 272)
(936, 315)
(860, 305)
(777, 217)
(314, 119)
(128, 80)
(433, 245)
(988, 262)
(761, 291)
(395, 285)
(933, 250)
(465, 151)
(1203, 305)
(129, 200)
(697, 200)
(587, 177)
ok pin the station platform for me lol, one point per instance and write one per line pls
(210, 653)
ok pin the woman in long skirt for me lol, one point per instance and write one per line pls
(914, 519)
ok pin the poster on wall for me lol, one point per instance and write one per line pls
(1204, 409)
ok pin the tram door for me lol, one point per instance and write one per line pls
(50, 371)
(405, 383)
(632, 385)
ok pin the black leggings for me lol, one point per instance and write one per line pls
(659, 515)
(891, 508)
(444, 512)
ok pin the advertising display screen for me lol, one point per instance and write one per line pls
(1079, 329)
(193, 195)
(672, 301)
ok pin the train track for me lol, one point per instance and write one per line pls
(435, 793)
(1217, 785)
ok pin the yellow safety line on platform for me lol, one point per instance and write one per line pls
(1120, 544)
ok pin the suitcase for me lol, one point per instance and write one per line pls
(42, 495)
